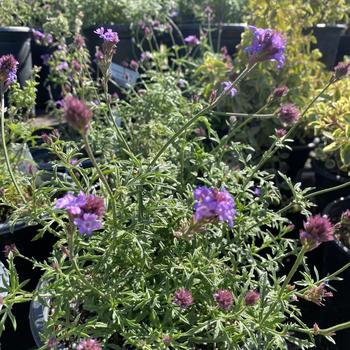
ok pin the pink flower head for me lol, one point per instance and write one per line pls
(317, 229)
(183, 298)
(280, 132)
(8, 69)
(341, 70)
(211, 203)
(89, 344)
(251, 298)
(134, 65)
(108, 35)
(280, 91)
(267, 45)
(167, 339)
(289, 113)
(192, 40)
(318, 294)
(224, 298)
(94, 205)
(77, 113)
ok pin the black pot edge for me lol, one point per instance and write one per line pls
(15, 29)
(325, 172)
(7, 228)
(339, 245)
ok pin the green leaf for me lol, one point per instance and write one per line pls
(345, 155)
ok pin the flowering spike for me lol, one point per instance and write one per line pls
(8, 69)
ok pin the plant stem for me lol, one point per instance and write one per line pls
(100, 173)
(199, 114)
(255, 115)
(285, 282)
(333, 329)
(3, 141)
(317, 193)
(273, 149)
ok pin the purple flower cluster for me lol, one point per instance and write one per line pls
(251, 298)
(108, 35)
(183, 298)
(228, 87)
(267, 45)
(289, 113)
(42, 38)
(86, 211)
(8, 69)
(77, 113)
(280, 91)
(212, 203)
(89, 344)
(224, 298)
(317, 229)
(192, 40)
(341, 70)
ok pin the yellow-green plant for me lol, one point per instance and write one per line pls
(330, 119)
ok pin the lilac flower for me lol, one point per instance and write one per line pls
(45, 58)
(211, 203)
(107, 35)
(8, 69)
(76, 65)
(280, 132)
(94, 205)
(289, 113)
(224, 298)
(71, 203)
(341, 70)
(183, 298)
(77, 113)
(257, 191)
(38, 35)
(49, 38)
(145, 56)
(267, 45)
(318, 294)
(89, 344)
(192, 40)
(317, 229)
(280, 91)
(62, 66)
(251, 298)
(87, 223)
(228, 87)
(182, 83)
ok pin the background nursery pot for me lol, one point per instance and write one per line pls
(21, 235)
(325, 178)
(336, 255)
(328, 38)
(17, 41)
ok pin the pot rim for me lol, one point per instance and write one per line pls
(15, 29)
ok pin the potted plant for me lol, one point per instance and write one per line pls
(149, 256)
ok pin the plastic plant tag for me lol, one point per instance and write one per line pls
(123, 76)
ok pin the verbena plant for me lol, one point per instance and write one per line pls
(161, 243)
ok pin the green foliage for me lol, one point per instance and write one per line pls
(330, 118)
(222, 11)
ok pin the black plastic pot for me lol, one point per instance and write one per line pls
(228, 35)
(328, 38)
(336, 255)
(17, 41)
(343, 48)
(21, 235)
(325, 178)
(43, 95)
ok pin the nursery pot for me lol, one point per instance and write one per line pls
(228, 35)
(325, 178)
(328, 37)
(21, 234)
(43, 95)
(336, 255)
(343, 48)
(17, 41)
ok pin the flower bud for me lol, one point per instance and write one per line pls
(77, 114)
(251, 298)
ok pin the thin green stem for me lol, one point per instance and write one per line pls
(333, 329)
(255, 115)
(198, 115)
(4, 146)
(290, 275)
(101, 175)
(273, 149)
(315, 194)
